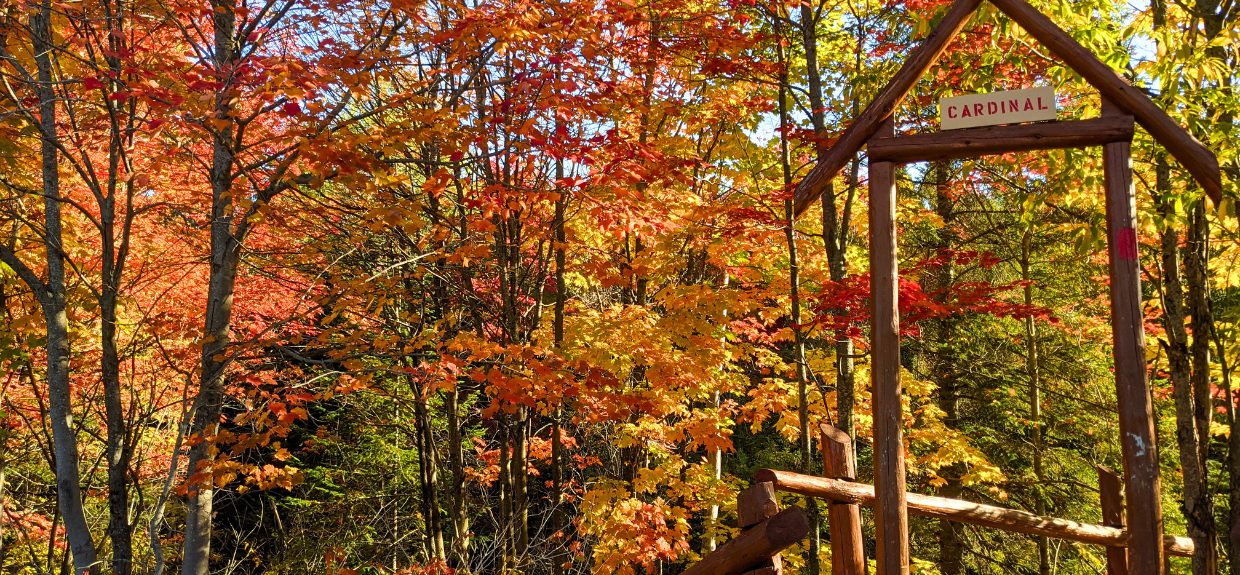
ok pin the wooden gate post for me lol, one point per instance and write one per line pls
(1136, 410)
(890, 514)
(1111, 493)
(844, 519)
(753, 506)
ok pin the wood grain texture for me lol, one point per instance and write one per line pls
(881, 109)
(765, 571)
(1192, 154)
(890, 515)
(844, 519)
(1111, 494)
(988, 140)
(966, 512)
(837, 453)
(748, 550)
(1136, 410)
(755, 504)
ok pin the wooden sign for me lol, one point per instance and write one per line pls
(1011, 107)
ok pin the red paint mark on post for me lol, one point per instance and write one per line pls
(1126, 244)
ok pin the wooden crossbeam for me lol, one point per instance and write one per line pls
(1192, 154)
(966, 512)
(989, 140)
(855, 136)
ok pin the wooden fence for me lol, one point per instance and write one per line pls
(767, 531)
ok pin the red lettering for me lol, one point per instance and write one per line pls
(966, 113)
(1028, 104)
(951, 112)
(1013, 105)
(978, 109)
(1040, 106)
(992, 108)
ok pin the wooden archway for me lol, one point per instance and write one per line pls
(1122, 106)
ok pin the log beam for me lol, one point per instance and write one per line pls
(989, 140)
(1191, 153)
(882, 108)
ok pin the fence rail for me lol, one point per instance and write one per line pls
(965, 511)
(767, 531)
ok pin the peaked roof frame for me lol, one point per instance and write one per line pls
(1200, 162)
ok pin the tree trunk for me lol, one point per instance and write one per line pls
(1196, 506)
(835, 236)
(558, 522)
(199, 509)
(715, 460)
(1035, 399)
(53, 302)
(428, 475)
(805, 442)
(520, 495)
(118, 453)
(112, 265)
(456, 453)
(504, 531)
(225, 256)
(1233, 464)
(834, 226)
(1196, 268)
(4, 467)
(951, 545)
(558, 519)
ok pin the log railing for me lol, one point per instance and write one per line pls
(845, 496)
(766, 531)
(965, 512)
